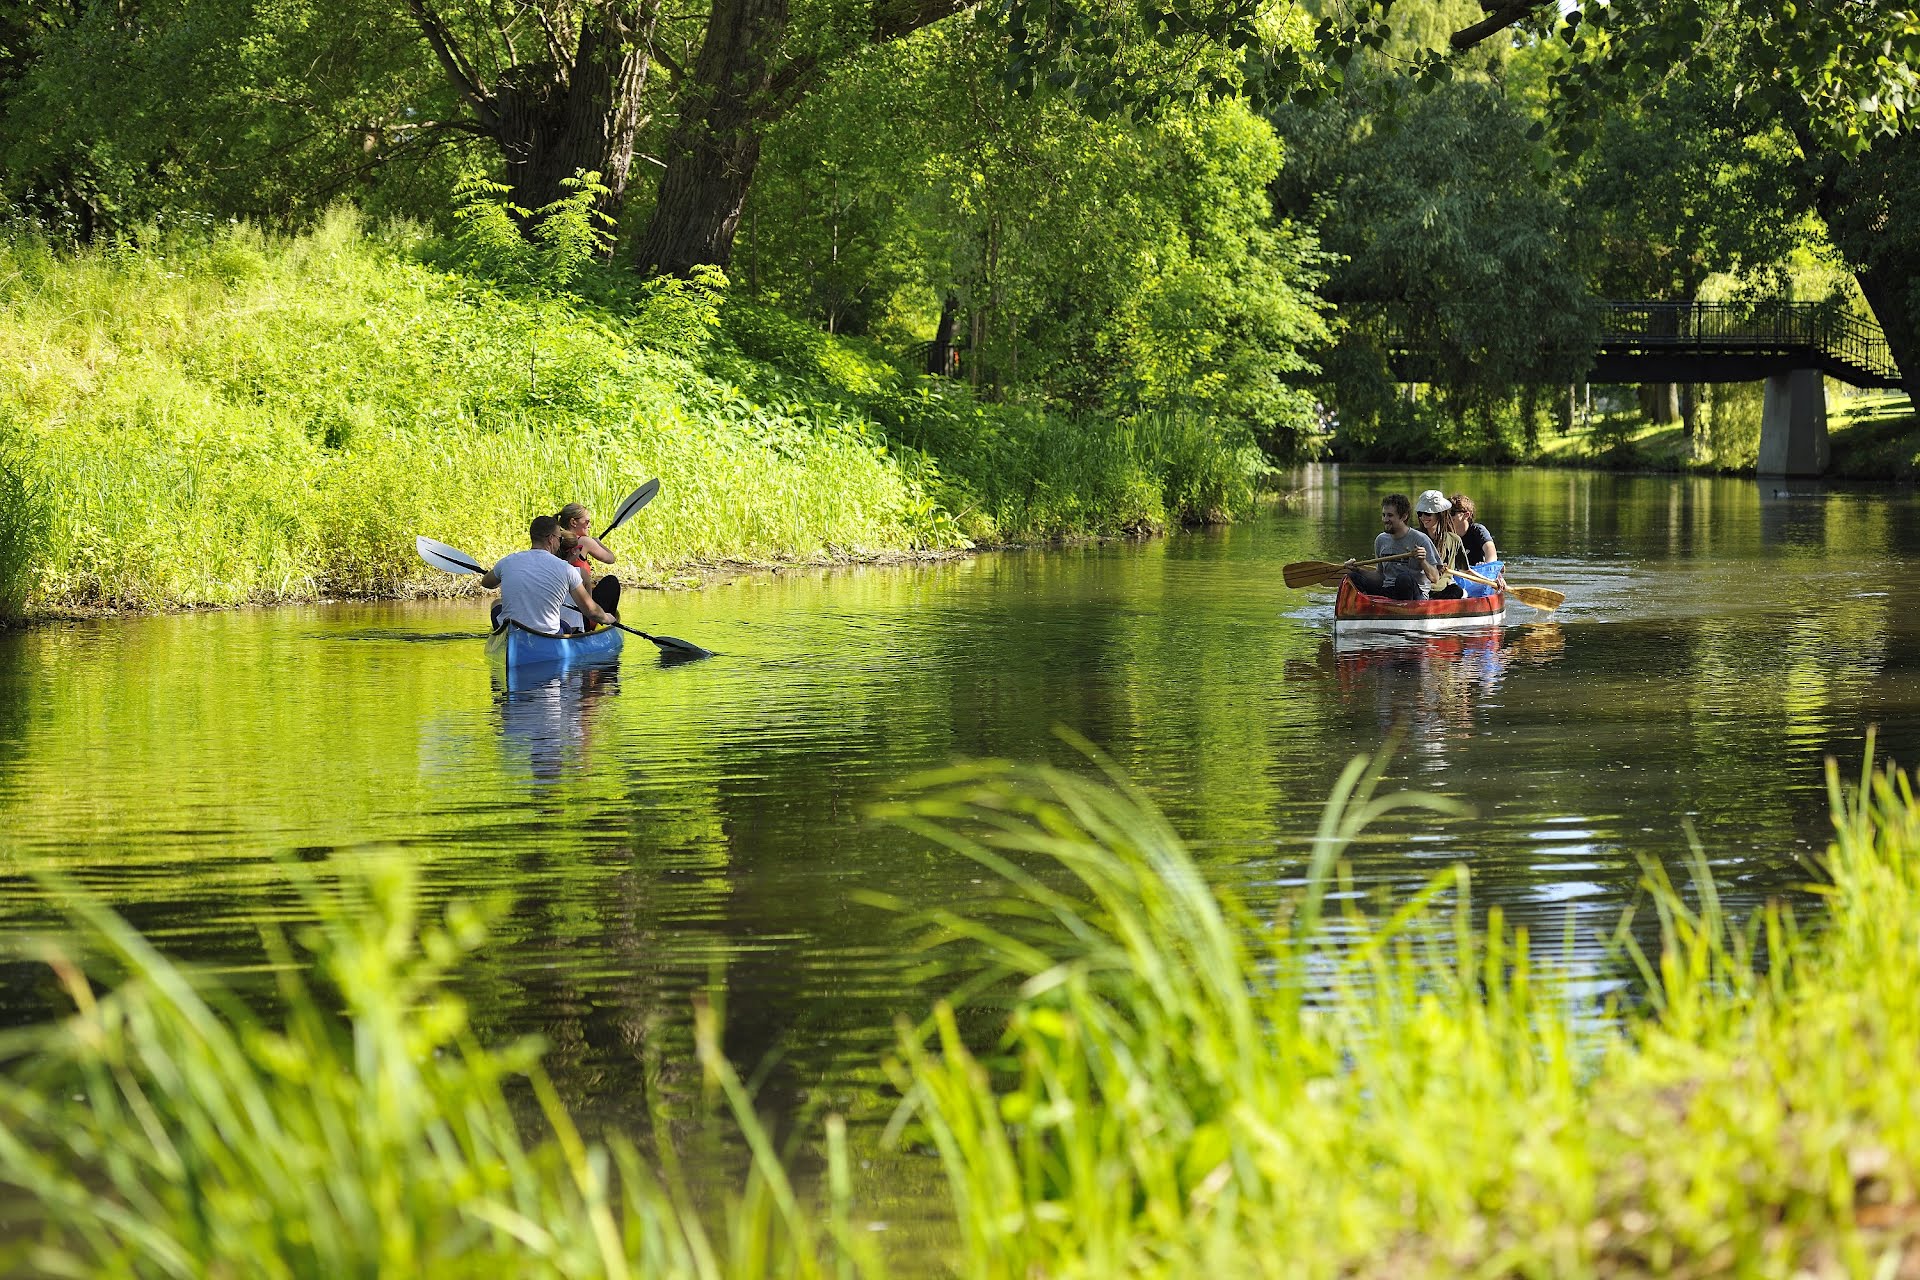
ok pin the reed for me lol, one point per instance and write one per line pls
(1182, 1089)
(1182, 1086)
(166, 1129)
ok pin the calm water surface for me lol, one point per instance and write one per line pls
(667, 830)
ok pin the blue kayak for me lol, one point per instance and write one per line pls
(516, 648)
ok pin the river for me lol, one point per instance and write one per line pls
(662, 830)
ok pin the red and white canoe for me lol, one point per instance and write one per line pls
(1355, 610)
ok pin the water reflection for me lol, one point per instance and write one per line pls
(545, 716)
(1428, 686)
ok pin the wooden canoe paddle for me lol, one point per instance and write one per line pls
(1545, 599)
(1316, 573)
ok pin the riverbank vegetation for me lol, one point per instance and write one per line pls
(229, 416)
(1173, 256)
(1179, 1085)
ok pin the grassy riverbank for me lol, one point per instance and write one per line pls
(1872, 435)
(1181, 1089)
(232, 418)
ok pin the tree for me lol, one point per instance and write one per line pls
(574, 106)
(1452, 255)
(753, 66)
(118, 113)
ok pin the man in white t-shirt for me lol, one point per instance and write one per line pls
(534, 583)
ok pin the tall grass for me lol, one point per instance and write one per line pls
(243, 418)
(23, 531)
(166, 1130)
(1181, 1088)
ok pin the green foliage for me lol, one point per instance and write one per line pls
(1099, 267)
(220, 438)
(1184, 1089)
(680, 315)
(245, 418)
(1732, 435)
(119, 117)
(544, 250)
(165, 1128)
(24, 523)
(785, 342)
(1449, 249)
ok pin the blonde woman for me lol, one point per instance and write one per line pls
(582, 549)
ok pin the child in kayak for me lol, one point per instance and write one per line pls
(580, 549)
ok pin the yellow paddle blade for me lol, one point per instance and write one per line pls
(1545, 599)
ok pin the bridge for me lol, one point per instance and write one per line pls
(1791, 345)
(1738, 342)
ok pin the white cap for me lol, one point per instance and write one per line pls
(1432, 503)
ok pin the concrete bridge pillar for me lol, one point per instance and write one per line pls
(1793, 425)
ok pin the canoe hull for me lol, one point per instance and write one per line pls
(1354, 610)
(516, 649)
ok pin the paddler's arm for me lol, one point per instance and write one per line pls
(1435, 575)
(584, 602)
(597, 549)
(490, 579)
(1489, 551)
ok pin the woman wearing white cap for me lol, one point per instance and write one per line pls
(1431, 507)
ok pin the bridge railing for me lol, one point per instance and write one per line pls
(1772, 327)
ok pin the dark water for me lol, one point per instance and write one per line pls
(667, 830)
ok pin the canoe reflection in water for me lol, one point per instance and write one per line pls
(1429, 684)
(549, 720)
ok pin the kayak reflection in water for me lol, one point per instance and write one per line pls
(550, 721)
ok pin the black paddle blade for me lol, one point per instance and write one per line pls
(679, 650)
(637, 499)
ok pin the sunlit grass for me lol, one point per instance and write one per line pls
(256, 419)
(1182, 1088)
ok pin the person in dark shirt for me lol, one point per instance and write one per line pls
(1475, 537)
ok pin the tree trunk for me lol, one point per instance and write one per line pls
(1867, 205)
(1891, 294)
(713, 150)
(1659, 402)
(556, 122)
(940, 350)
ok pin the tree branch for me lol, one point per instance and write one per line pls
(895, 18)
(453, 62)
(556, 47)
(1501, 14)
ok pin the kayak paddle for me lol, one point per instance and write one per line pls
(634, 501)
(442, 556)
